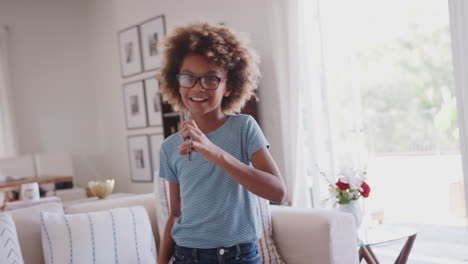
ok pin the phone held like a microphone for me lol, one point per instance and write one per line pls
(186, 116)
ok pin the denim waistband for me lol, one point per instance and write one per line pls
(235, 250)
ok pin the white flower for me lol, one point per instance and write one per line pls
(355, 183)
(353, 195)
(344, 179)
(333, 191)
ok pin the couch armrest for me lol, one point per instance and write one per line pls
(314, 235)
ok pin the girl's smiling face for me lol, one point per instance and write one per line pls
(198, 100)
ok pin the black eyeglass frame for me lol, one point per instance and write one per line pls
(199, 79)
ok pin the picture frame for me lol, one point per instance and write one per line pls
(153, 32)
(135, 105)
(155, 146)
(153, 102)
(139, 159)
(130, 51)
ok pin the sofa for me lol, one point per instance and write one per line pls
(302, 236)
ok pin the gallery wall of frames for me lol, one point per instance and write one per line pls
(140, 52)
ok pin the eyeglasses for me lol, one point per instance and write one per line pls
(207, 82)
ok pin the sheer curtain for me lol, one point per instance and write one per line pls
(458, 26)
(305, 129)
(8, 138)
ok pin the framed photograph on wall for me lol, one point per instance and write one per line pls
(135, 108)
(153, 102)
(130, 52)
(140, 161)
(153, 32)
(155, 143)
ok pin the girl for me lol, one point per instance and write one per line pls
(211, 72)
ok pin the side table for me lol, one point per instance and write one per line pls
(385, 234)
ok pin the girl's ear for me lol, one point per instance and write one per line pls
(227, 93)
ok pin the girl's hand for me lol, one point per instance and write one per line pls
(200, 143)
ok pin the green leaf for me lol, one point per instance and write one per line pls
(344, 200)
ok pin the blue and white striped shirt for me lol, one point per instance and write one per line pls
(216, 210)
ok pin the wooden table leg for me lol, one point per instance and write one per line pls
(372, 254)
(406, 250)
(365, 252)
(361, 254)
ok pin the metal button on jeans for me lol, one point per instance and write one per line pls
(221, 251)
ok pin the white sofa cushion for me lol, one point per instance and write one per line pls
(10, 251)
(28, 227)
(116, 201)
(121, 235)
(266, 245)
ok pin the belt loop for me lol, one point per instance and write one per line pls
(238, 252)
(195, 255)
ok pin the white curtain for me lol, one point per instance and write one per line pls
(8, 136)
(459, 29)
(298, 67)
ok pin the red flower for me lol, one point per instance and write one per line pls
(365, 190)
(342, 186)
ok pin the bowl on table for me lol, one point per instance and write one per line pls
(101, 189)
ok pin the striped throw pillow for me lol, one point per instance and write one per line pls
(266, 245)
(121, 235)
(10, 251)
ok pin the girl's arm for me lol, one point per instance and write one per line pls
(264, 179)
(167, 246)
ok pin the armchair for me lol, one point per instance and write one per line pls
(308, 236)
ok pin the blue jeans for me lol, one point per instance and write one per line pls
(237, 254)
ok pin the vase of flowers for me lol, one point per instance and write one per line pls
(354, 208)
(350, 186)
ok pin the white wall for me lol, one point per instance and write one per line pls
(109, 16)
(54, 101)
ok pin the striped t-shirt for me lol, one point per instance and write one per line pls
(216, 210)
